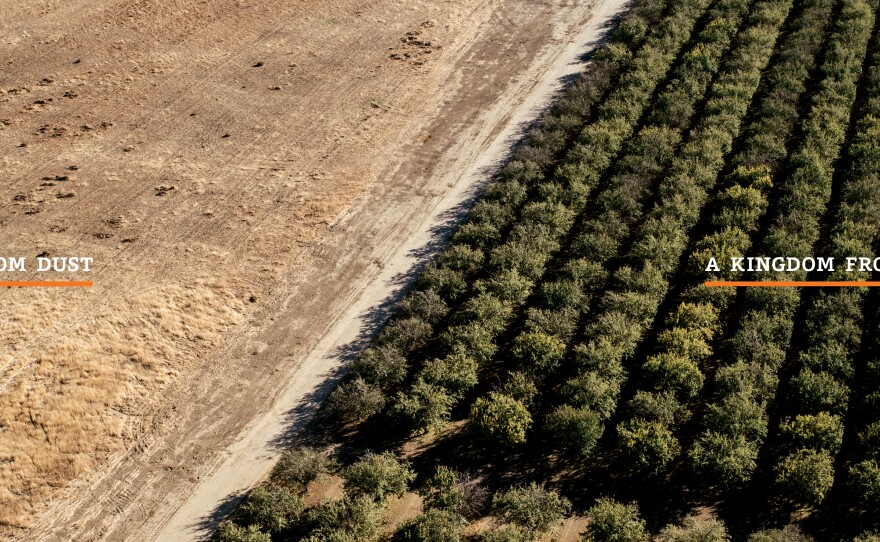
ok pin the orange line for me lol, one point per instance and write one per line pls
(45, 284)
(798, 283)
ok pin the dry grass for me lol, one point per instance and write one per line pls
(400, 510)
(70, 400)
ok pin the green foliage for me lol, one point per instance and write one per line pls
(521, 387)
(448, 283)
(432, 526)
(506, 533)
(741, 206)
(870, 437)
(561, 294)
(865, 480)
(724, 460)
(658, 407)
(649, 446)
(471, 339)
(816, 392)
(441, 491)
(611, 521)
(272, 508)
(805, 477)
(821, 431)
(575, 431)
(427, 305)
(560, 323)
(674, 372)
(699, 317)
(695, 529)
(592, 391)
(531, 507)
(230, 532)
(453, 492)
(426, 407)
(462, 258)
(688, 343)
(508, 286)
(406, 334)
(501, 418)
(299, 466)
(789, 533)
(456, 373)
(346, 520)
(490, 312)
(354, 400)
(537, 352)
(382, 366)
(738, 415)
(377, 476)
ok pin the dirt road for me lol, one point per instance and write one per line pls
(251, 187)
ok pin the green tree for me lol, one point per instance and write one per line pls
(230, 532)
(489, 311)
(789, 533)
(724, 460)
(521, 387)
(427, 305)
(574, 430)
(377, 476)
(815, 392)
(865, 478)
(426, 407)
(805, 476)
(738, 414)
(560, 323)
(441, 491)
(345, 520)
(562, 294)
(448, 283)
(822, 431)
(506, 533)
(471, 339)
(456, 373)
(537, 352)
(299, 466)
(611, 521)
(695, 529)
(676, 373)
(272, 508)
(531, 507)
(508, 285)
(432, 526)
(383, 366)
(502, 418)
(355, 400)
(660, 407)
(594, 391)
(649, 446)
(406, 334)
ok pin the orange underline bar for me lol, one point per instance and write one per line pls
(796, 283)
(46, 284)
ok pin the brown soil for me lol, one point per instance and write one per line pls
(238, 170)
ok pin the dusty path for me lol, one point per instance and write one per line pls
(227, 258)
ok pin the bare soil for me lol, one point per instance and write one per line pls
(256, 182)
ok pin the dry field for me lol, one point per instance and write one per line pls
(216, 158)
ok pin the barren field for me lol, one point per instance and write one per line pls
(239, 171)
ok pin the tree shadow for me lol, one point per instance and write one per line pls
(207, 524)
